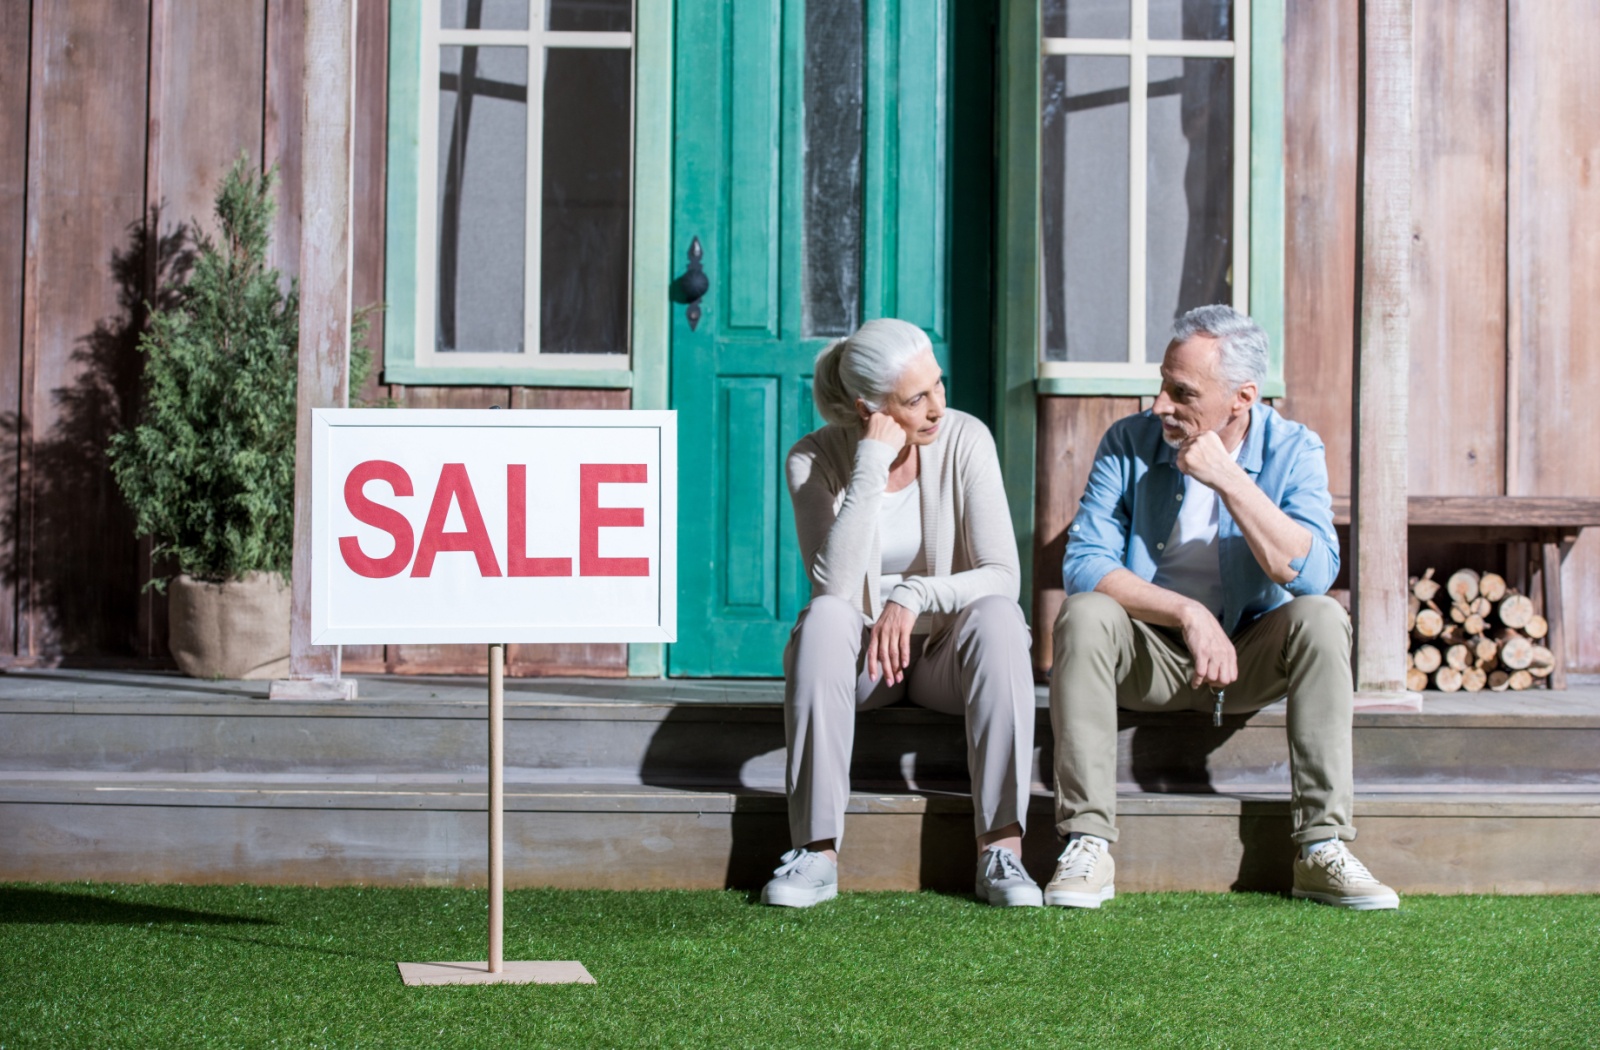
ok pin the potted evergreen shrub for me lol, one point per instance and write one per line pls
(209, 469)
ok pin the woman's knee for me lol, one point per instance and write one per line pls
(994, 620)
(829, 614)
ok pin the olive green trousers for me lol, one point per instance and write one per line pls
(1105, 659)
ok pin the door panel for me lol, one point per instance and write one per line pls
(741, 379)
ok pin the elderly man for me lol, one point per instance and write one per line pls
(1195, 574)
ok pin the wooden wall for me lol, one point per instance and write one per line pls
(1505, 275)
(117, 121)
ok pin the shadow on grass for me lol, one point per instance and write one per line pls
(42, 907)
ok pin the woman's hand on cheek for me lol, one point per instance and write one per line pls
(881, 426)
(889, 646)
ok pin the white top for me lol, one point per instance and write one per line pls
(1189, 562)
(837, 480)
(900, 541)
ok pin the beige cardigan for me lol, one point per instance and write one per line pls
(836, 481)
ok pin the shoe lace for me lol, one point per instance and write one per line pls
(1002, 865)
(796, 860)
(1078, 860)
(1343, 865)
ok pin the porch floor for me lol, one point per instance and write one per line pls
(666, 783)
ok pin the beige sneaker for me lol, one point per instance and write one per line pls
(1333, 876)
(1083, 876)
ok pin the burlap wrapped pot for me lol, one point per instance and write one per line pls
(234, 629)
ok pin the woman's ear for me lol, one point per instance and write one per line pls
(862, 411)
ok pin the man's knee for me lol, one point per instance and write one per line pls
(1320, 621)
(1087, 619)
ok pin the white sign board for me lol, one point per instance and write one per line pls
(469, 525)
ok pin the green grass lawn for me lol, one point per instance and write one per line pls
(177, 966)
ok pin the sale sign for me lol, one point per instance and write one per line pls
(450, 525)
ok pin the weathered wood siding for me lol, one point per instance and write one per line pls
(112, 116)
(1505, 274)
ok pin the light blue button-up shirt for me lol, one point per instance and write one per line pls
(1131, 503)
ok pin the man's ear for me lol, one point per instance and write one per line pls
(1247, 395)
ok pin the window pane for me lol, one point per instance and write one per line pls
(483, 14)
(590, 16)
(1191, 20)
(1190, 177)
(833, 108)
(482, 180)
(1085, 208)
(584, 252)
(1096, 19)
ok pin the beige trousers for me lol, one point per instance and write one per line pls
(1105, 659)
(979, 668)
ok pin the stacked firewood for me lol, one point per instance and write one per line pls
(1477, 634)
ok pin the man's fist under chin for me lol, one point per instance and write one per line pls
(1204, 458)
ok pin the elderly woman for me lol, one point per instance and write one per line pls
(902, 521)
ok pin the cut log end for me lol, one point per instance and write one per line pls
(1447, 680)
(1427, 658)
(1492, 586)
(1516, 610)
(1462, 585)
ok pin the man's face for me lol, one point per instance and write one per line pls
(1194, 398)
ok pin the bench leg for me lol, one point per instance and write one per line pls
(1550, 552)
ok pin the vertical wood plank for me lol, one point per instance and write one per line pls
(1070, 429)
(325, 270)
(210, 75)
(1320, 85)
(14, 40)
(82, 281)
(1458, 270)
(369, 203)
(282, 118)
(1553, 256)
(1379, 464)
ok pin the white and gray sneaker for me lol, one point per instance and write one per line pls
(1084, 875)
(803, 879)
(1003, 882)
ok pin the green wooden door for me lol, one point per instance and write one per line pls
(815, 177)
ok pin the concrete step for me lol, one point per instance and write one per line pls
(397, 830)
(727, 735)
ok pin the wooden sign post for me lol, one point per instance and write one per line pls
(492, 527)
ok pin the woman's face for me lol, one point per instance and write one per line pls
(917, 400)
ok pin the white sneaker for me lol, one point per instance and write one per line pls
(1003, 882)
(803, 879)
(1083, 877)
(1333, 875)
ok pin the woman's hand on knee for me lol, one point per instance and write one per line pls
(889, 646)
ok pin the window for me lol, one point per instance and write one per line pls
(513, 212)
(1145, 180)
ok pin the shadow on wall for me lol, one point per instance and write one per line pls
(72, 556)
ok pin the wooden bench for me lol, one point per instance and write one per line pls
(1549, 525)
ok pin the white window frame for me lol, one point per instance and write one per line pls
(535, 39)
(1140, 48)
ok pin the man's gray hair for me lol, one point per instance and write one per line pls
(1241, 344)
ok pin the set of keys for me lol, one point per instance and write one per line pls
(1216, 708)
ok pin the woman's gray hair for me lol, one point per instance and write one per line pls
(1241, 344)
(865, 365)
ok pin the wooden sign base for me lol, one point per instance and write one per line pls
(510, 973)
